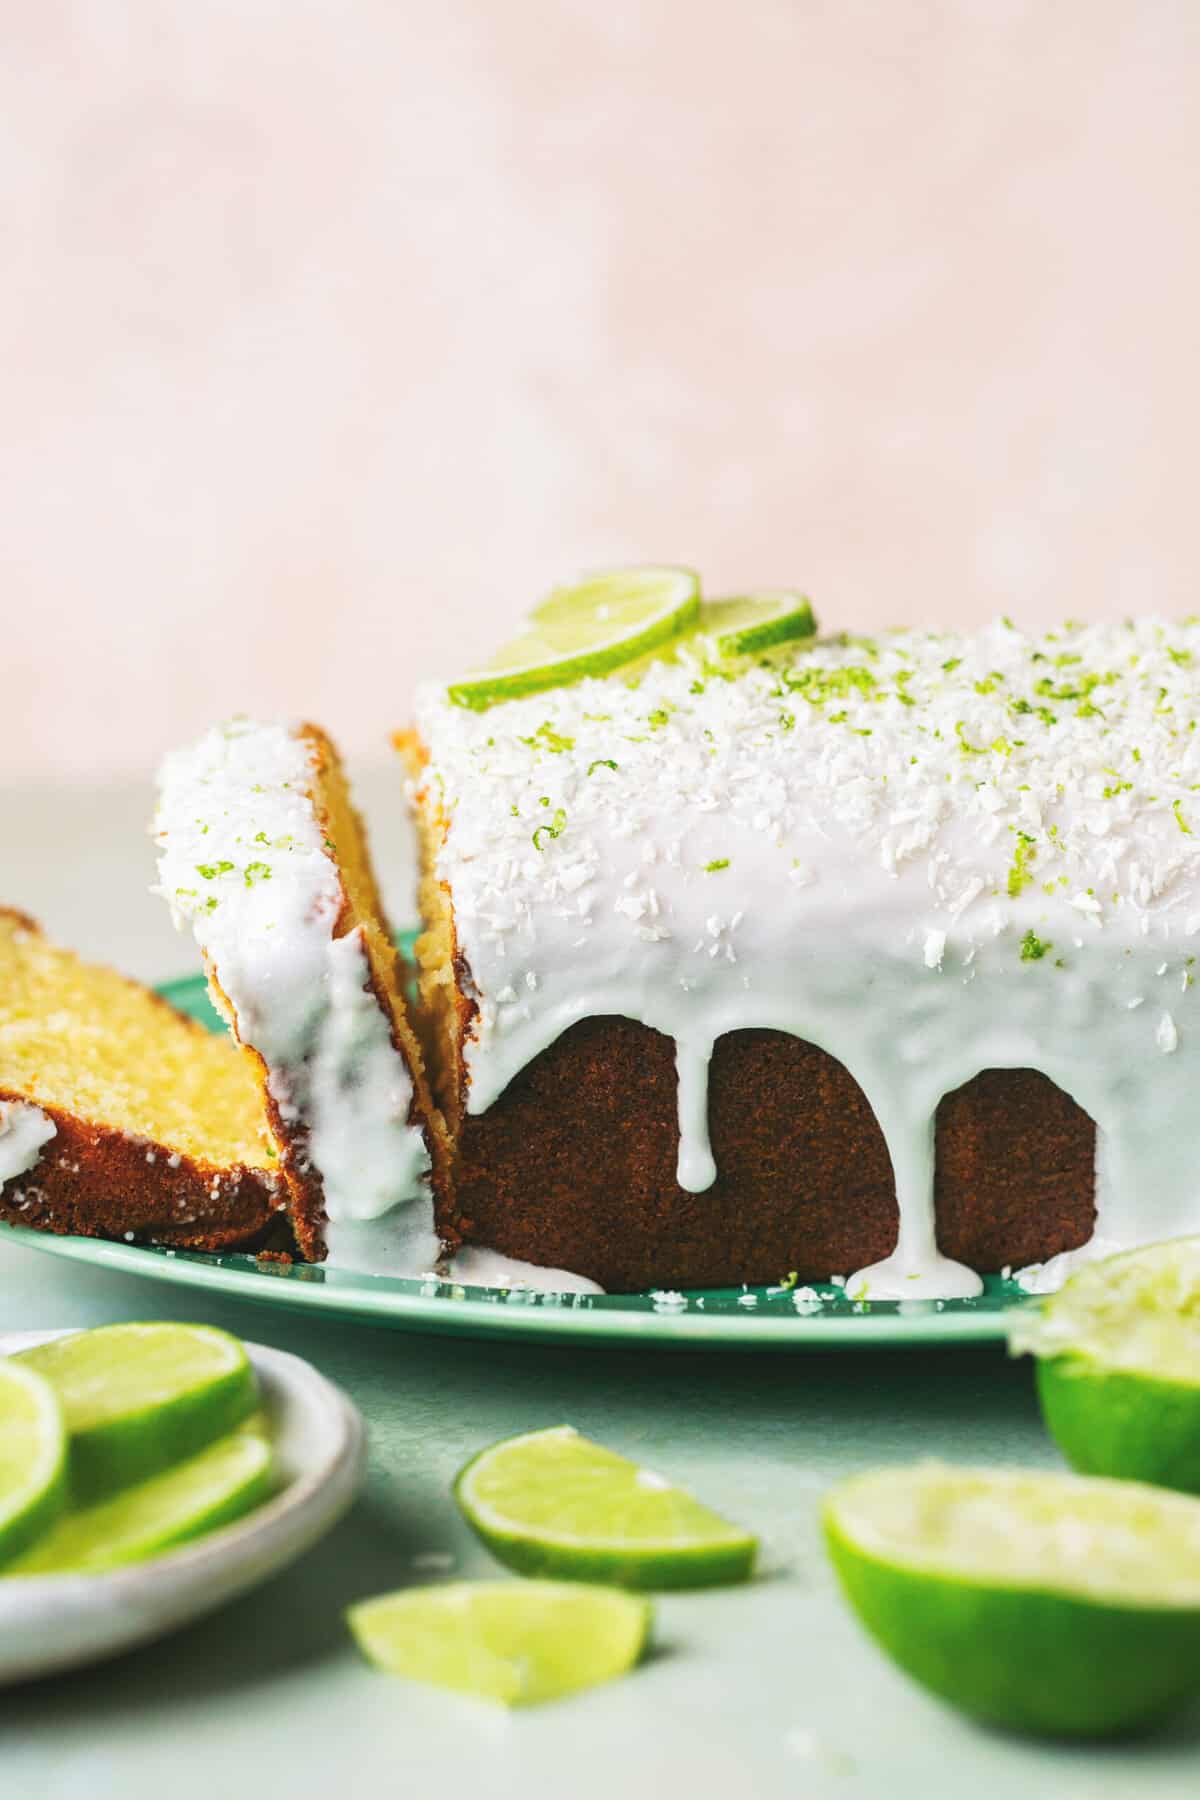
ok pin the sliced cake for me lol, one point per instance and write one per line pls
(867, 957)
(262, 853)
(119, 1117)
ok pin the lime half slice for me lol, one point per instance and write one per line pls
(209, 1490)
(137, 1398)
(1043, 1602)
(554, 1503)
(598, 625)
(517, 1642)
(1118, 1375)
(33, 1457)
(756, 622)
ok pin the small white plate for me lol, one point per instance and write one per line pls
(53, 1622)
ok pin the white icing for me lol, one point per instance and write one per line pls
(476, 1266)
(928, 854)
(244, 862)
(24, 1132)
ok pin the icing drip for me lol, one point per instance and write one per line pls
(24, 1131)
(696, 1169)
(244, 861)
(929, 855)
(476, 1266)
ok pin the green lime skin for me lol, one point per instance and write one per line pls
(29, 1507)
(1123, 1423)
(1038, 1662)
(212, 1489)
(114, 1449)
(663, 1571)
(711, 1552)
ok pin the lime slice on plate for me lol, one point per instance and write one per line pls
(1043, 1602)
(598, 625)
(553, 1503)
(517, 1642)
(33, 1457)
(137, 1398)
(756, 622)
(211, 1489)
(1118, 1373)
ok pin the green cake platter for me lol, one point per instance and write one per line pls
(819, 1317)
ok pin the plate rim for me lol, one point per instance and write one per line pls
(456, 1310)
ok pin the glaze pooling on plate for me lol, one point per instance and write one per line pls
(24, 1132)
(244, 861)
(927, 854)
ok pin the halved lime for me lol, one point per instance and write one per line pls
(513, 1641)
(598, 625)
(137, 1398)
(33, 1457)
(211, 1489)
(554, 1503)
(1118, 1373)
(755, 622)
(1043, 1602)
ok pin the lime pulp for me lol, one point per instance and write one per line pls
(514, 1642)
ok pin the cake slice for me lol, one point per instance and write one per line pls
(263, 854)
(120, 1118)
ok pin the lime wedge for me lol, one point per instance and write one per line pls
(598, 625)
(517, 1642)
(1043, 1602)
(33, 1457)
(755, 622)
(224, 1481)
(553, 1503)
(1118, 1374)
(137, 1398)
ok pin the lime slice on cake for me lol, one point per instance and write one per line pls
(33, 1457)
(1118, 1372)
(1043, 1602)
(598, 625)
(137, 1398)
(553, 1503)
(517, 1642)
(209, 1490)
(756, 622)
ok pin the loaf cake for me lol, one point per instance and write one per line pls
(262, 853)
(869, 958)
(119, 1117)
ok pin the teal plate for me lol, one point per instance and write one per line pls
(716, 1318)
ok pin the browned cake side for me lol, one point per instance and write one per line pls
(91, 1181)
(574, 1166)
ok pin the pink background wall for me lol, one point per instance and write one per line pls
(336, 330)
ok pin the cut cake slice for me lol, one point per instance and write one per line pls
(120, 1118)
(264, 855)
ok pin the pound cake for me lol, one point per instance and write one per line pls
(866, 957)
(262, 853)
(120, 1118)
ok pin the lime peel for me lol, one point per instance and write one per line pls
(1043, 1602)
(753, 623)
(588, 629)
(1118, 1374)
(554, 1503)
(209, 1490)
(33, 1457)
(137, 1398)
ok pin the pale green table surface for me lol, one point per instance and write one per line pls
(765, 1690)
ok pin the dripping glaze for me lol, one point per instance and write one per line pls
(927, 854)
